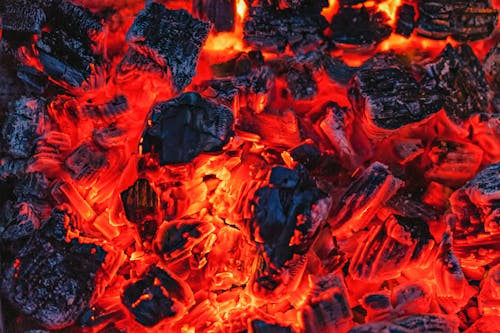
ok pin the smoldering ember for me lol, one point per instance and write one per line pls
(261, 166)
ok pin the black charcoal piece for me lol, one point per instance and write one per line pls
(387, 99)
(20, 20)
(152, 298)
(186, 126)
(221, 13)
(457, 78)
(52, 280)
(32, 186)
(464, 20)
(405, 23)
(140, 201)
(476, 204)
(361, 27)
(33, 79)
(21, 220)
(315, 5)
(11, 88)
(20, 128)
(301, 83)
(338, 70)
(423, 323)
(491, 67)
(273, 30)
(171, 38)
(306, 154)
(85, 161)
(260, 326)
(133, 63)
(283, 211)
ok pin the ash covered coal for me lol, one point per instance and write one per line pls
(171, 38)
(55, 285)
(186, 126)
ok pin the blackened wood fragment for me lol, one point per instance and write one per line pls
(405, 23)
(273, 30)
(85, 161)
(457, 78)
(220, 12)
(464, 20)
(154, 297)
(359, 26)
(20, 20)
(52, 280)
(171, 38)
(140, 201)
(260, 326)
(338, 70)
(186, 126)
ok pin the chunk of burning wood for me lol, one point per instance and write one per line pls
(222, 13)
(405, 23)
(186, 126)
(260, 326)
(52, 280)
(140, 201)
(171, 38)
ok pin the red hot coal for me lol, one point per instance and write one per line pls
(251, 166)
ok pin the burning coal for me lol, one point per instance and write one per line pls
(249, 166)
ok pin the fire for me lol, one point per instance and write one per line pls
(299, 206)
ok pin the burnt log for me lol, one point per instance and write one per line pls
(52, 280)
(186, 126)
(171, 38)
(457, 78)
(154, 297)
(221, 13)
(283, 220)
(140, 202)
(405, 22)
(21, 127)
(361, 200)
(359, 27)
(387, 98)
(463, 20)
(273, 30)
(476, 204)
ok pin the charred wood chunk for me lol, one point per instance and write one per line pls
(411, 298)
(423, 323)
(361, 200)
(52, 280)
(85, 162)
(359, 26)
(260, 326)
(453, 163)
(20, 20)
(491, 67)
(390, 248)
(458, 78)
(283, 216)
(327, 308)
(405, 23)
(33, 79)
(338, 70)
(273, 30)
(112, 108)
(176, 239)
(134, 63)
(377, 305)
(171, 38)
(140, 201)
(32, 186)
(306, 154)
(154, 297)
(11, 86)
(186, 126)
(301, 83)
(20, 128)
(489, 296)
(241, 65)
(12, 169)
(316, 5)
(20, 220)
(464, 20)
(386, 99)
(108, 137)
(220, 12)
(476, 204)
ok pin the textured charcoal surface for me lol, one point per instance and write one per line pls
(85, 161)
(220, 12)
(410, 324)
(458, 78)
(491, 67)
(338, 70)
(140, 201)
(273, 30)
(176, 235)
(75, 20)
(157, 305)
(20, 128)
(405, 23)
(301, 83)
(279, 206)
(171, 38)
(388, 97)
(20, 19)
(359, 26)
(186, 126)
(260, 326)
(52, 280)
(464, 20)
